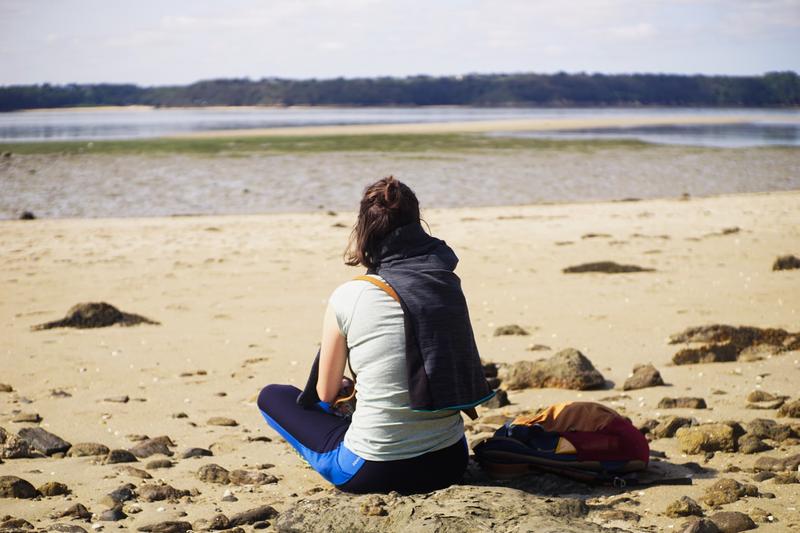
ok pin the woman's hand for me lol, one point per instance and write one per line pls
(332, 358)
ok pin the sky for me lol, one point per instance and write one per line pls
(159, 42)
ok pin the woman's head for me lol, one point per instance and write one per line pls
(386, 205)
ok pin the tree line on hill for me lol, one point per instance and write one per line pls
(774, 89)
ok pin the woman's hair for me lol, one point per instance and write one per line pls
(386, 205)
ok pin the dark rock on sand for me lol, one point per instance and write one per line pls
(196, 452)
(251, 516)
(643, 376)
(13, 447)
(27, 418)
(169, 526)
(135, 472)
(685, 506)
(500, 399)
(213, 473)
(84, 449)
(121, 494)
(732, 521)
(15, 487)
(114, 514)
(786, 262)
(729, 343)
(568, 369)
(117, 399)
(786, 478)
(706, 438)
(511, 329)
(246, 477)
(77, 512)
(749, 444)
(760, 515)
(95, 315)
(777, 464)
(159, 463)
(763, 476)
(727, 490)
(155, 493)
(765, 428)
(120, 456)
(647, 427)
(26, 215)
(11, 524)
(605, 267)
(682, 403)
(53, 488)
(222, 421)
(146, 448)
(669, 426)
(43, 441)
(791, 409)
(5, 387)
(700, 525)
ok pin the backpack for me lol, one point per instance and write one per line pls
(585, 441)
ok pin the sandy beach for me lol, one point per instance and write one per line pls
(239, 300)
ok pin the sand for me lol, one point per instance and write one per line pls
(241, 298)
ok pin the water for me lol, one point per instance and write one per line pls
(781, 128)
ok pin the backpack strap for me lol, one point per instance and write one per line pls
(469, 411)
(380, 284)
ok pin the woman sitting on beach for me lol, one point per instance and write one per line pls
(404, 330)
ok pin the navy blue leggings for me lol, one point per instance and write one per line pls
(319, 438)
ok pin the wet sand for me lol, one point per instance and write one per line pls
(240, 301)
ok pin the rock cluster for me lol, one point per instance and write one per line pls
(722, 343)
(95, 315)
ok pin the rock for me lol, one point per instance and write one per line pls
(120, 456)
(682, 403)
(27, 418)
(763, 476)
(121, 494)
(777, 464)
(749, 444)
(770, 404)
(727, 490)
(605, 267)
(135, 437)
(114, 514)
(706, 438)
(11, 524)
(117, 399)
(791, 409)
(222, 421)
(643, 376)
(761, 396)
(786, 478)
(43, 441)
(53, 488)
(685, 506)
(13, 447)
(159, 463)
(213, 473)
(765, 428)
(135, 472)
(568, 369)
(620, 514)
(84, 449)
(669, 426)
(77, 512)
(373, 506)
(218, 522)
(786, 262)
(94, 315)
(760, 515)
(5, 387)
(168, 526)
(15, 487)
(728, 343)
(259, 514)
(155, 493)
(150, 447)
(66, 528)
(500, 399)
(648, 426)
(700, 525)
(244, 477)
(511, 329)
(196, 452)
(732, 521)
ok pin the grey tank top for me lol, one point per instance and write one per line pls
(384, 428)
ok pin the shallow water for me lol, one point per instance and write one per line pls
(135, 123)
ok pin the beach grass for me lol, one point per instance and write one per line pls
(409, 143)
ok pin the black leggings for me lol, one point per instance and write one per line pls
(318, 437)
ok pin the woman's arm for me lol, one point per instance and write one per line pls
(332, 358)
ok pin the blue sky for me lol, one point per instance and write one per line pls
(179, 41)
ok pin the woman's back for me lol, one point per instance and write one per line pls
(383, 427)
